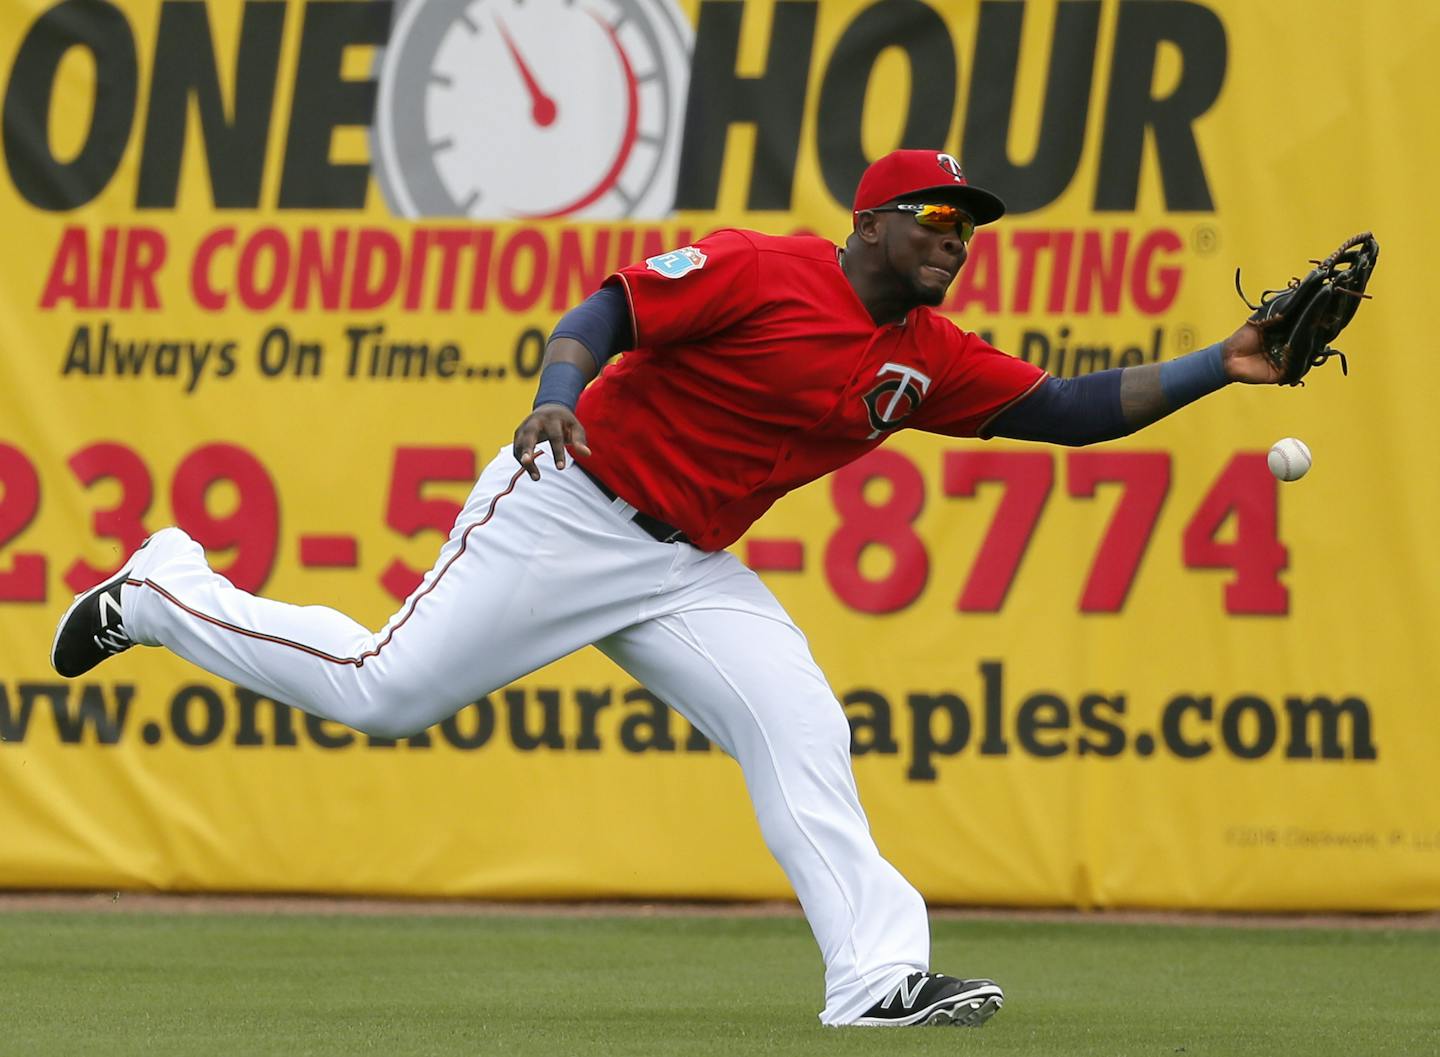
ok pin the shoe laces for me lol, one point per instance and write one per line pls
(113, 638)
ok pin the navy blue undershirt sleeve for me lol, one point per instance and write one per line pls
(1189, 377)
(1071, 411)
(1092, 408)
(560, 383)
(601, 323)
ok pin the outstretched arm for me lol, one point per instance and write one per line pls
(1115, 403)
(1151, 391)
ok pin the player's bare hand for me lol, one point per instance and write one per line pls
(554, 424)
(1245, 360)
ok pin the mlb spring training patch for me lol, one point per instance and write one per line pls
(677, 263)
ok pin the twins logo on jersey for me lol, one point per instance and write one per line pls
(895, 398)
(676, 263)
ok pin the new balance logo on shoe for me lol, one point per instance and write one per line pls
(907, 992)
(932, 998)
(110, 607)
(93, 628)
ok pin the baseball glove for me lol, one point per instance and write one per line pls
(1298, 324)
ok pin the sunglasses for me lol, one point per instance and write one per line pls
(936, 217)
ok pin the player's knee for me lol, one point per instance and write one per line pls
(390, 727)
(832, 731)
(813, 741)
(390, 715)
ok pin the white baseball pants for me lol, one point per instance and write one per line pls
(532, 571)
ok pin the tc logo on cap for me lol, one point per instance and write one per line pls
(951, 165)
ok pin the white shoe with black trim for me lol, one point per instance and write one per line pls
(932, 998)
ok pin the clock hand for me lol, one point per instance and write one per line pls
(542, 107)
(627, 139)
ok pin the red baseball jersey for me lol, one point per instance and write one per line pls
(757, 369)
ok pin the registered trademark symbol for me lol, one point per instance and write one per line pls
(1185, 338)
(1205, 238)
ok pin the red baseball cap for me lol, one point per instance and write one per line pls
(903, 173)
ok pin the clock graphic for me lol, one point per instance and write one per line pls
(532, 109)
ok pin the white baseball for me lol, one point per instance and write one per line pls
(1289, 459)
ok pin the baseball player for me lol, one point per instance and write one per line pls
(753, 364)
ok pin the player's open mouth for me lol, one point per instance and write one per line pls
(940, 273)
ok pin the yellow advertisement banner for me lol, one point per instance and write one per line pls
(282, 274)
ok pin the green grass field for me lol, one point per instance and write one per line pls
(83, 983)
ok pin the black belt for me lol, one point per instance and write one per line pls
(652, 526)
